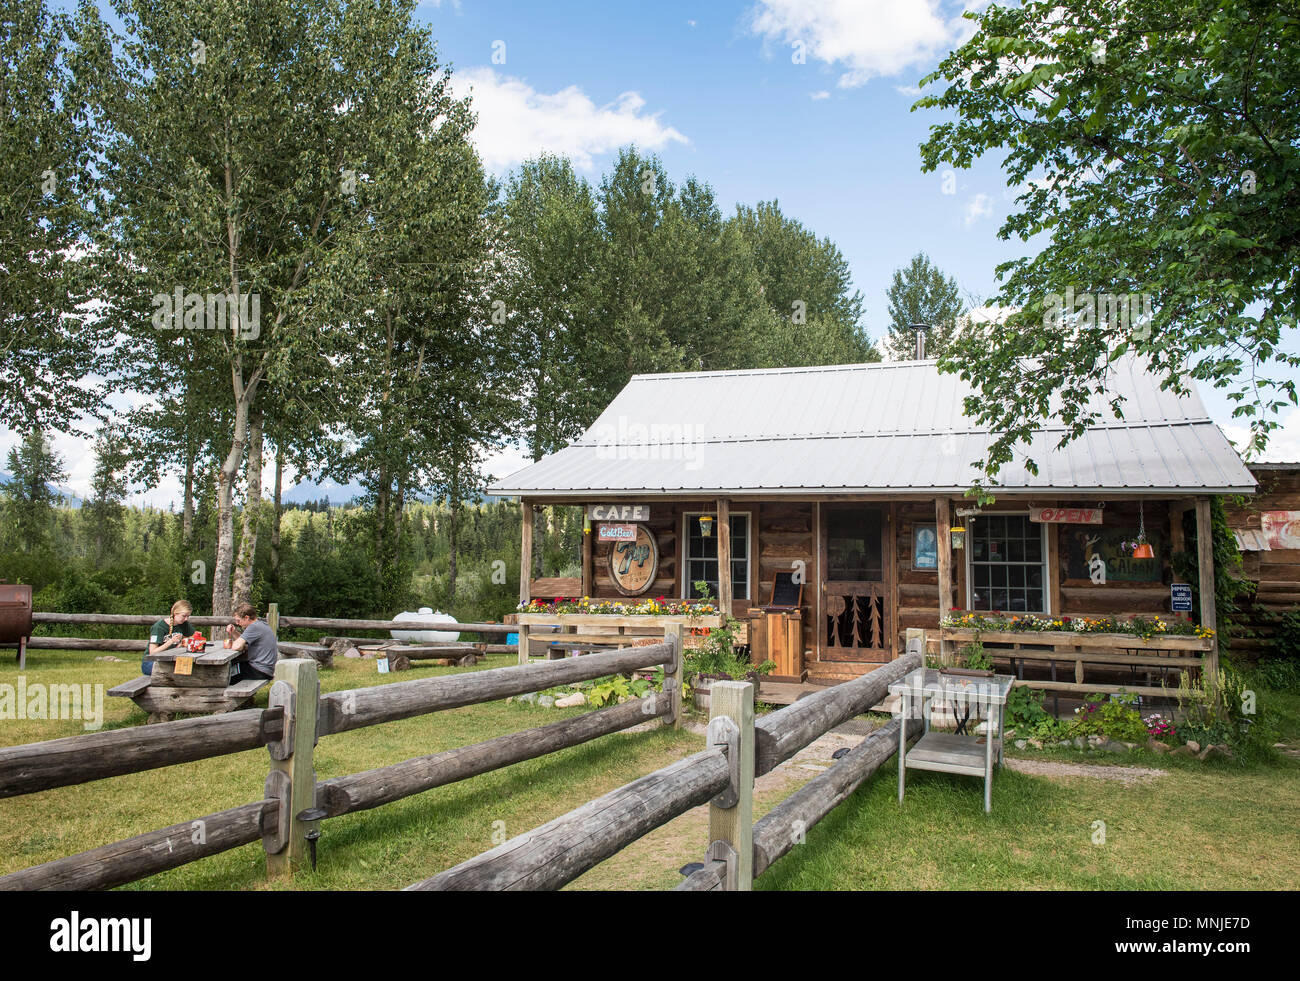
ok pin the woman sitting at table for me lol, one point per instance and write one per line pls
(168, 633)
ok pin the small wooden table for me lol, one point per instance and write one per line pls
(206, 689)
(949, 752)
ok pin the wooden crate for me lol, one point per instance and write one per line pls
(778, 636)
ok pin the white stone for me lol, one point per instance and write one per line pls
(571, 701)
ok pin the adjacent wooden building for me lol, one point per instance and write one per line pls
(849, 482)
(1267, 529)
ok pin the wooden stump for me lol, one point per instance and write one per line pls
(399, 662)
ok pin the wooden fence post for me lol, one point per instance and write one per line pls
(293, 777)
(523, 643)
(733, 827)
(273, 617)
(675, 673)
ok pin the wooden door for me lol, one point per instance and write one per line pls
(856, 616)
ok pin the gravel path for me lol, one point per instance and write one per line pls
(1048, 768)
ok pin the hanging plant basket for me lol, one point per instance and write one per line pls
(1143, 550)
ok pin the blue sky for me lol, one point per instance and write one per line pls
(807, 102)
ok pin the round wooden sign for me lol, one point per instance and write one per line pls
(633, 564)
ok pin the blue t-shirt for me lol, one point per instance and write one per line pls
(263, 648)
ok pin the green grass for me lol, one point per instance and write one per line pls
(385, 848)
(1205, 825)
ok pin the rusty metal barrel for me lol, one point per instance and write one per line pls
(15, 617)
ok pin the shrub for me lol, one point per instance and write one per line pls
(1025, 708)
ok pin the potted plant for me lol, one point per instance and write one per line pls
(716, 660)
(972, 662)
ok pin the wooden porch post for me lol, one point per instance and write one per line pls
(1205, 563)
(588, 559)
(943, 528)
(724, 556)
(526, 552)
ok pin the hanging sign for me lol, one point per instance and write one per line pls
(607, 531)
(633, 564)
(618, 512)
(1066, 516)
(183, 665)
(1180, 597)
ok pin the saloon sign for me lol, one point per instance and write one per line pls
(633, 564)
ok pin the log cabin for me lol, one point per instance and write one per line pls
(1266, 527)
(836, 497)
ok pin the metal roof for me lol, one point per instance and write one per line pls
(1251, 540)
(895, 427)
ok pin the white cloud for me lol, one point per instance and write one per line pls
(865, 39)
(1283, 442)
(980, 206)
(907, 90)
(516, 122)
(818, 96)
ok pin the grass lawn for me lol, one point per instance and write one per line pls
(1203, 825)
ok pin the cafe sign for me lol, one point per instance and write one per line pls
(618, 512)
(1066, 516)
(634, 563)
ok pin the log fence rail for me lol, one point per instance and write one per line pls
(295, 719)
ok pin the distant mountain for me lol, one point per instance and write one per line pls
(70, 499)
(309, 492)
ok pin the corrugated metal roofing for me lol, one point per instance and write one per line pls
(873, 428)
(1251, 540)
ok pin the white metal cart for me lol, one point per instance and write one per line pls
(953, 752)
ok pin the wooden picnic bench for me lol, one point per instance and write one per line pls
(205, 689)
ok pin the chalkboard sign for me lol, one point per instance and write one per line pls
(785, 591)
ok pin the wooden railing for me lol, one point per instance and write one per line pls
(556, 853)
(295, 719)
(280, 622)
(1077, 652)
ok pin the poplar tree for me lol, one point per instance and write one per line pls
(250, 154)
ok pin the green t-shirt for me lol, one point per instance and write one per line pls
(159, 632)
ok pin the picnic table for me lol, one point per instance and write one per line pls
(953, 752)
(204, 688)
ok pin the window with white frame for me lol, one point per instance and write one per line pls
(1007, 568)
(702, 555)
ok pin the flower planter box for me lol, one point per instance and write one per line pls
(615, 629)
(1081, 640)
(616, 620)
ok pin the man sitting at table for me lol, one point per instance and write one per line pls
(257, 644)
(168, 633)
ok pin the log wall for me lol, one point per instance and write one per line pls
(1275, 573)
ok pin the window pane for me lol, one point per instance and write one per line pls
(702, 557)
(853, 545)
(1006, 562)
